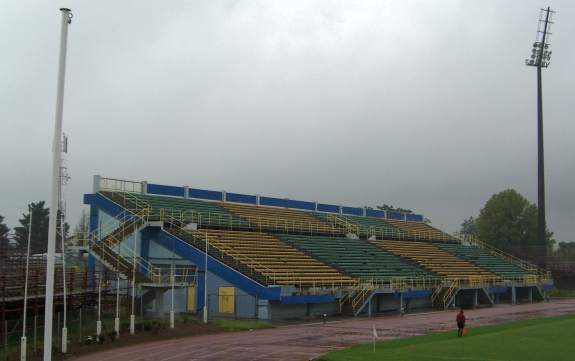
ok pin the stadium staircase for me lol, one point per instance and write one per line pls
(444, 294)
(114, 255)
(117, 257)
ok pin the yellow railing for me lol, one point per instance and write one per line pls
(342, 223)
(234, 222)
(364, 292)
(527, 266)
(382, 232)
(200, 237)
(107, 240)
(448, 295)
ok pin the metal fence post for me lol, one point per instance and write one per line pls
(81, 336)
(58, 342)
(5, 340)
(35, 332)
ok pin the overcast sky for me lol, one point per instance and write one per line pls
(420, 104)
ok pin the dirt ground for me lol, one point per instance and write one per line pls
(306, 341)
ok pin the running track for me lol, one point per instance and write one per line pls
(303, 342)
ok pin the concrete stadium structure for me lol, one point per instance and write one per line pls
(276, 258)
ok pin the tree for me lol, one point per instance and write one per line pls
(4, 241)
(40, 221)
(468, 226)
(387, 207)
(566, 251)
(509, 222)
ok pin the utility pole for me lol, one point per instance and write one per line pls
(540, 58)
(56, 164)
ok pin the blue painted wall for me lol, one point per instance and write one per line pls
(330, 208)
(240, 198)
(165, 190)
(275, 202)
(375, 213)
(395, 215)
(354, 211)
(205, 194)
(310, 206)
(414, 217)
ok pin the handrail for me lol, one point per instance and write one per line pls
(197, 236)
(114, 184)
(386, 232)
(530, 267)
(249, 222)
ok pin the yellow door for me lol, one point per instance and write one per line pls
(226, 300)
(192, 299)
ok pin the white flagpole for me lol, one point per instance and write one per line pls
(23, 340)
(206, 282)
(56, 164)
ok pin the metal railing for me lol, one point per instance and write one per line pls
(120, 185)
(382, 232)
(523, 264)
(233, 222)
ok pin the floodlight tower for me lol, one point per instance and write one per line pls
(540, 58)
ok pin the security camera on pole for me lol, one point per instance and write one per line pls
(66, 19)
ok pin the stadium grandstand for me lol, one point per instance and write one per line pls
(252, 256)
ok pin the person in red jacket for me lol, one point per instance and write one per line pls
(460, 323)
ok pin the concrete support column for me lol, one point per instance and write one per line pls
(530, 294)
(315, 206)
(263, 311)
(513, 295)
(369, 308)
(159, 301)
(96, 184)
(144, 187)
(257, 199)
(475, 298)
(401, 304)
(224, 196)
(186, 192)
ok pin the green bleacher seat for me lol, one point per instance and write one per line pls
(483, 259)
(357, 258)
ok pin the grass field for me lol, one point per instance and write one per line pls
(546, 339)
